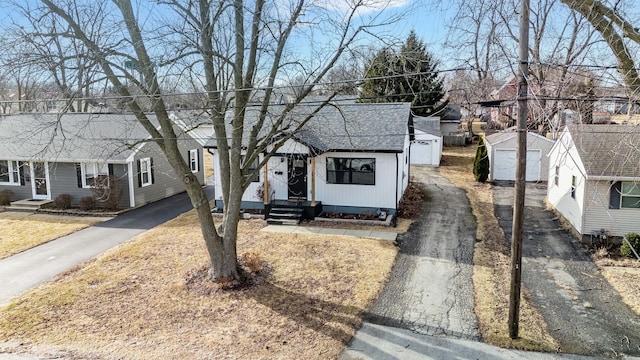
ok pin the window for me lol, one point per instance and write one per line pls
(194, 161)
(573, 187)
(556, 178)
(95, 174)
(9, 172)
(360, 171)
(250, 168)
(630, 195)
(146, 173)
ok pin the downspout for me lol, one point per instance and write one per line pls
(397, 168)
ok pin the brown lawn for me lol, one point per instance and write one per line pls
(132, 302)
(492, 259)
(22, 231)
(623, 274)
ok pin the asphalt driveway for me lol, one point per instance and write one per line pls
(583, 312)
(429, 292)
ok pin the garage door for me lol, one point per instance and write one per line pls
(422, 152)
(504, 165)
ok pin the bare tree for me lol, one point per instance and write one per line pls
(561, 42)
(234, 49)
(618, 31)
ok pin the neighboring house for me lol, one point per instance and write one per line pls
(594, 178)
(426, 142)
(45, 155)
(451, 127)
(501, 149)
(349, 158)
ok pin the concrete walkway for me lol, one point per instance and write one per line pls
(37, 265)
(373, 234)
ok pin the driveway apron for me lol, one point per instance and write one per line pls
(34, 266)
(430, 291)
(583, 312)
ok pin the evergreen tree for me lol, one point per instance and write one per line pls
(481, 163)
(409, 75)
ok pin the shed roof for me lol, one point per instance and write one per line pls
(379, 127)
(429, 125)
(608, 150)
(70, 137)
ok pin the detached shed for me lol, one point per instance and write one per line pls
(501, 148)
(426, 141)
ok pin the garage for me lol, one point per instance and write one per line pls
(505, 165)
(426, 142)
(501, 148)
(422, 152)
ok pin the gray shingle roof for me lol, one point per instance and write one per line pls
(429, 125)
(69, 137)
(344, 127)
(608, 150)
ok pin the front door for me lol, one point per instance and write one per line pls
(297, 168)
(40, 180)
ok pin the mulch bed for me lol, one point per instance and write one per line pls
(411, 202)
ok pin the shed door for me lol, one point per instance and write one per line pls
(504, 165)
(422, 152)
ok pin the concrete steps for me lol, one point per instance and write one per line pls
(27, 205)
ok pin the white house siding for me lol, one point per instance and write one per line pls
(598, 215)
(426, 149)
(559, 196)
(380, 195)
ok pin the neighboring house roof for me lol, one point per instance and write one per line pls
(452, 113)
(71, 137)
(608, 150)
(341, 127)
(429, 125)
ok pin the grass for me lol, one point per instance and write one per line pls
(132, 302)
(492, 264)
(22, 231)
(623, 274)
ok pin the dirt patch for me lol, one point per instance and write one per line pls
(412, 201)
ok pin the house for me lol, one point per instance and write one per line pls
(594, 178)
(45, 155)
(349, 158)
(426, 142)
(501, 149)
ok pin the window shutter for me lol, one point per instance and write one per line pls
(79, 174)
(22, 178)
(110, 166)
(139, 173)
(151, 172)
(614, 195)
(198, 159)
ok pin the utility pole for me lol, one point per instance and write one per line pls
(521, 166)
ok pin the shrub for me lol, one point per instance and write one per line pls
(108, 191)
(5, 197)
(252, 261)
(88, 203)
(634, 239)
(481, 163)
(62, 201)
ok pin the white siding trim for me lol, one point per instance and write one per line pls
(132, 197)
